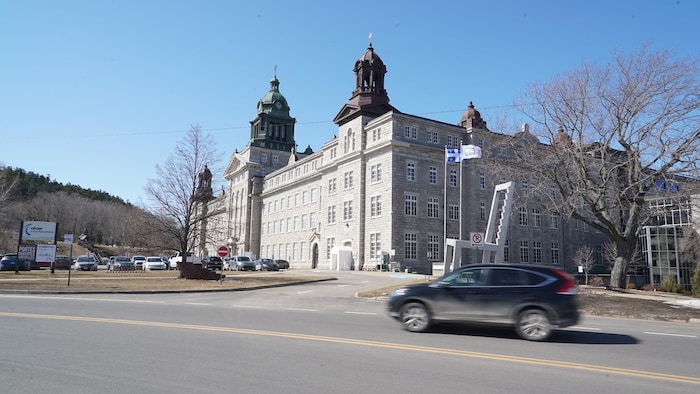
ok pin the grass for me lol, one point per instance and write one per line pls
(139, 281)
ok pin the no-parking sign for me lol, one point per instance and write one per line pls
(477, 239)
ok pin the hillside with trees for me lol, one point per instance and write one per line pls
(95, 217)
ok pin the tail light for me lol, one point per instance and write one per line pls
(567, 286)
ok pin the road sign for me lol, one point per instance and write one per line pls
(222, 251)
(477, 239)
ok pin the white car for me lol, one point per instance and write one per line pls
(153, 263)
(138, 261)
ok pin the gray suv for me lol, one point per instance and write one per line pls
(532, 299)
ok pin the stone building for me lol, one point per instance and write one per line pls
(378, 189)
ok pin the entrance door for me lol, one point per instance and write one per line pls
(314, 256)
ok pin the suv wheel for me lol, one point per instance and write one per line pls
(533, 325)
(415, 317)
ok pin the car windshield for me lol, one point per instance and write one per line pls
(139, 258)
(84, 259)
(154, 259)
(243, 258)
(121, 258)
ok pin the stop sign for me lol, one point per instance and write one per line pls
(222, 251)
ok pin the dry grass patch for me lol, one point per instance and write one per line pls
(142, 281)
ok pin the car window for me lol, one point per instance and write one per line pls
(243, 258)
(470, 277)
(514, 277)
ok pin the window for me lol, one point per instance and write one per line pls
(275, 159)
(506, 252)
(432, 175)
(482, 211)
(375, 173)
(432, 136)
(522, 216)
(452, 141)
(434, 247)
(536, 217)
(453, 212)
(411, 172)
(289, 201)
(410, 132)
(305, 198)
(263, 157)
(453, 178)
(302, 251)
(312, 220)
(330, 243)
(303, 222)
(375, 206)
(433, 207)
(375, 245)
(296, 199)
(331, 186)
(524, 252)
(411, 205)
(537, 252)
(289, 225)
(482, 181)
(555, 252)
(313, 194)
(410, 245)
(553, 220)
(331, 214)
(347, 210)
(376, 134)
(296, 223)
(347, 178)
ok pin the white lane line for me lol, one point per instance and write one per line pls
(670, 335)
(587, 328)
(302, 309)
(360, 313)
(343, 285)
(247, 306)
(303, 292)
(196, 303)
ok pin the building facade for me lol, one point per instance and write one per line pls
(380, 190)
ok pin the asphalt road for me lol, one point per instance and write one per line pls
(317, 338)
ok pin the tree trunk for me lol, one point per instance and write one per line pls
(618, 276)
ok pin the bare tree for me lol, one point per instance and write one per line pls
(585, 258)
(611, 133)
(176, 205)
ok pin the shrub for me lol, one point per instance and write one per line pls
(596, 281)
(631, 286)
(671, 284)
(695, 282)
(649, 287)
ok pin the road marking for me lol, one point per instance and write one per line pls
(302, 309)
(360, 313)
(304, 292)
(600, 369)
(587, 328)
(247, 306)
(669, 335)
(197, 303)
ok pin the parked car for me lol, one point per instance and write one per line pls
(120, 263)
(533, 299)
(283, 264)
(138, 261)
(266, 265)
(10, 262)
(239, 263)
(85, 263)
(153, 263)
(62, 262)
(190, 258)
(212, 263)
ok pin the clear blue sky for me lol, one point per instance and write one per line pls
(96, 93)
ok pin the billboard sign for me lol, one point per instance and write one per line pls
(38, 231)
(45, 253)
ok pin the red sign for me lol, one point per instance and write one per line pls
(222, 251)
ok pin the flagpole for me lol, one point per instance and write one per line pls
(444, 214)
(460, 191)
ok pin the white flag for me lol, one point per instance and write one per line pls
(470, 152)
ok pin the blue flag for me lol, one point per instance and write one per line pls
(452, 155)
